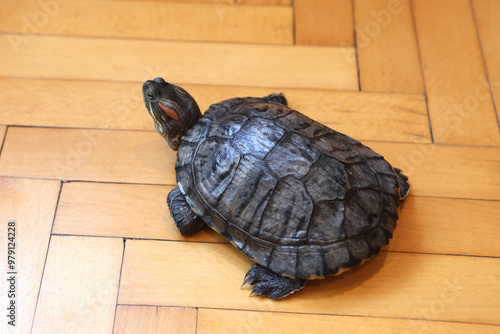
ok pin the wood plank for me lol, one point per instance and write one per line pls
(265, 2)
(181, 1)
(324, 22)
(144, 157)
(152, 319)
(124, 19)
(426, 225)
(232, 321)
(80, 285)
(113, 105)
(401, 285)
(448, 226)
(120, 210)
(81, 104)
(90, 155)
(387, 47)
(221, 64)
(31, 204)
(460, 105)
(488, 25)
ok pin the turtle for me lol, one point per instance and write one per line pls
(302, 200)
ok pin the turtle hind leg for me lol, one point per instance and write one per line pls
(267, 283)
(404, 186)
(184, 218)
(277, 97)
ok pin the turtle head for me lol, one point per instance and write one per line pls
(172, 108)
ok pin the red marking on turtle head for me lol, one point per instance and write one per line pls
(170, 113)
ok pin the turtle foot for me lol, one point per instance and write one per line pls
(267, 283)
(404, 186)
(277, 97)
(184, 218)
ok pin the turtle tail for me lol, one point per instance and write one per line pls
(404, 186)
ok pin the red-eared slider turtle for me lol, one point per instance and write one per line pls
(300, 199)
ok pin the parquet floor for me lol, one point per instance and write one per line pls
(84, 175)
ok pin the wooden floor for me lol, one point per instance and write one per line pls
(84, 175)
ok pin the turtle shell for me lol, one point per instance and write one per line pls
(294, 195)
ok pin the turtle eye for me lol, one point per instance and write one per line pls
(151, 94)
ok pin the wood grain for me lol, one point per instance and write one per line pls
(487, 13)
(416, 286)
(31, 204)
(93, 155)
(113, 105)
(221, 22)
(80, 285)
(324, 22)
(152, 319)
(144, 157)
(232, 321)
(387, 47)
(448, 226)
(180, 1)
(265, 2)
(120, 210)
(460, 104)
(221, 64)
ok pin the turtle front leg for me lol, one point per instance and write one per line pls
(267, 283)
(184, 218)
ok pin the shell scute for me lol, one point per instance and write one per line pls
(227, 127)
(185, 155)
(376, 238)
(363, 208)
(284, 260)
(304, 125)
(242, 202)
(336, 257)
(237, 236)
(310, 262)
(335, 146)
(327, 180)
(359, 249)
(287, 214)
(197, 132)
(360, 176)
(327, 223)
(259, 250)
(257, 137)
(214, 168)
(293, 155)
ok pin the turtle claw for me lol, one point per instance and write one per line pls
(246, 281)
(267, 283)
